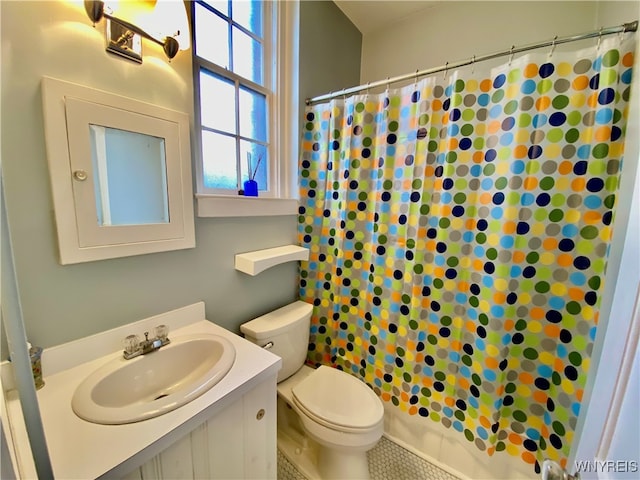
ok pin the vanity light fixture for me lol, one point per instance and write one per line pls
(127, 22)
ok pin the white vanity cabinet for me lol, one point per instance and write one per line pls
(238, 442)
(228, 432)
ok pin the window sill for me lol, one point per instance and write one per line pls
(230, 206)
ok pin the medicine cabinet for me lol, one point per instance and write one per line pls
(120, 174)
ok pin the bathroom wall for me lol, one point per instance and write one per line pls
(330, 48)
(452, 31)
(62, 303)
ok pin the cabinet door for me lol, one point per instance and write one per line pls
(239, 442)
(260, 448)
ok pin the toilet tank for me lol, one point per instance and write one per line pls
(287, 328)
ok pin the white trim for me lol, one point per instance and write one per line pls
(230, 206)
(622, 380)
(286, 98)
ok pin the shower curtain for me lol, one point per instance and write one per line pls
(459, 229)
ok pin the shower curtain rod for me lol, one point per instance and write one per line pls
(626, 27)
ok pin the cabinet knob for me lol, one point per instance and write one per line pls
(80, 175)
(260, 414)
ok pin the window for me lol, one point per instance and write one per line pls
(240, 72)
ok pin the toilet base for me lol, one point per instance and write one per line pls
(313, 460)
(294, 443)
(336, 464)
(303, 458)
(311, 455)
(318, 463)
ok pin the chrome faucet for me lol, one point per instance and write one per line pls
(133, 347)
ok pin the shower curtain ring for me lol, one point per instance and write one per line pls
(446, 67)
(599, 39)
(473, 64)
(416, 82)
(511, 54)
(553, 45)
(388, 83)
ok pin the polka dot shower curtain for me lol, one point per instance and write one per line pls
(459, 229)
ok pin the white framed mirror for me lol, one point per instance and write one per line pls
(120, 174)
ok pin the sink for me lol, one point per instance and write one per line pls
(127, 391)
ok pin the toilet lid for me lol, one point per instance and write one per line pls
(338, 398)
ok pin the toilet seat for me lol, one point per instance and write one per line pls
(339, 401)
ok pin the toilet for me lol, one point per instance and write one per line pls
(340, 414)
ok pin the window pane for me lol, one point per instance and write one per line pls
(212, 37)
(219, 161)
(255, 163)
(222, 6)
(249, 15)
(247, 56)
(217, 102)
(253, 114)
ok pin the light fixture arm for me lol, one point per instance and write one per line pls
(95, 12)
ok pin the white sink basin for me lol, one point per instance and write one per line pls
(127, 391)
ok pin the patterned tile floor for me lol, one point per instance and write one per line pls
(387, 461)
(287, 470)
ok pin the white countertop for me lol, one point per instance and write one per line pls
(81, 450)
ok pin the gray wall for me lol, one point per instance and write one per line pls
(330, 50)
(63, 303)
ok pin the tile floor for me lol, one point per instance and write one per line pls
(387, 461)
(287, 470)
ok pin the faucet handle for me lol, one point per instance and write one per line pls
(131, 344)
(162, 331)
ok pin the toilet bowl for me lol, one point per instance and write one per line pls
(340, 413)
(344, 416)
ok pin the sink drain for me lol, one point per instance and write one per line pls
(161, 396)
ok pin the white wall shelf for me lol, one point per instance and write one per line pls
(252, 263)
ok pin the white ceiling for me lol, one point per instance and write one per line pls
(367, 15)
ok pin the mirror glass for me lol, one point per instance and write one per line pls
(130, 177)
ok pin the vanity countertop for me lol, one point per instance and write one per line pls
(81, 449)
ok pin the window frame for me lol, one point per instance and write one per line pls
(280, 52)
